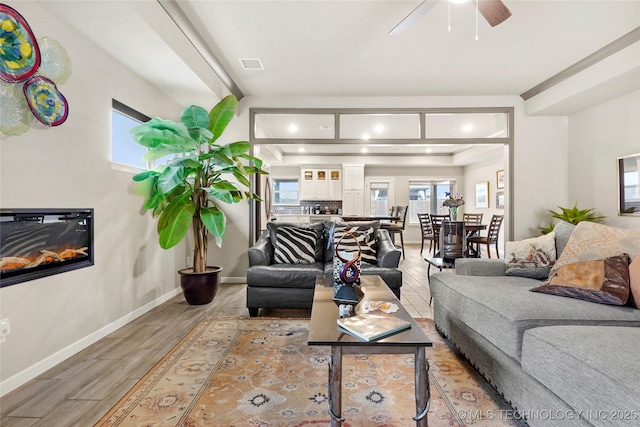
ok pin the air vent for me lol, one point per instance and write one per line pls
(326, 127)
(251, 63)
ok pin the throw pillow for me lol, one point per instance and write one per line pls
(591, 241)
(364, 236)
(634, 282)
(563, 232)
(273, 227)
(605, 281)
(532, 258)
(295, 245)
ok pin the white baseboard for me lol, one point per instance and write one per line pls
(33, 371)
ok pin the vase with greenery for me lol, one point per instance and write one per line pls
(453, 202)
(187, 191)
(572, 216)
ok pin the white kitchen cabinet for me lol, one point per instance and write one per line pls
(335, 184)
(353, 177)
(353, 190)
(320, 184)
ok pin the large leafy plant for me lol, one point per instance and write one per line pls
(187, 190)
(572, 216)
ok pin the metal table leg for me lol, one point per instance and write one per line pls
(423, 394)
(335, 386)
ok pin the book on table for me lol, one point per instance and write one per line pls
(373, 326)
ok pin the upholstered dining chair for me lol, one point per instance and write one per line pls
(491, 238)
(427, 230)
(436, 225)
(398, 226)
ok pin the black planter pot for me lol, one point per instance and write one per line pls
(200, 288)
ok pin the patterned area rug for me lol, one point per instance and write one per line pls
(261, 372)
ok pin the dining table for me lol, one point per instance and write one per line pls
(349, 218)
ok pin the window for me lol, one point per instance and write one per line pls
(286, 191)
(124, 150)
(427, 197)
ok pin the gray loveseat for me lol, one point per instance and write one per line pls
(559, 361)
(291, 285)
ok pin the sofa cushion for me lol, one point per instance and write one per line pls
(284, 275)
(592, 241)
(366, 232)
(350, 237)
(502, 308)
(532, 258)
(318, 227)
(634, 282)
(295, 245)
(563, 232)
(604, 281)
(590, 368)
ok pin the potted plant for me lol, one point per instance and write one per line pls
(187, 191)
(572, 216)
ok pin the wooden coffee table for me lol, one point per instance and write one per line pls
(323, 330)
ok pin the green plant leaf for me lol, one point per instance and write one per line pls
(171, 178)
(222, 195)
(174, 221)
(156, 132)
(195, 116)
(224, 185)
(221, 115)
(144, 175)
(242, 179)
(215, 221)
(238, 148)
(154, 201)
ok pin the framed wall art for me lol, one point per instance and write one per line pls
(500, 179)
(499, 199)
(482, 194)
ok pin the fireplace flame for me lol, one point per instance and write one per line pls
(46, 256)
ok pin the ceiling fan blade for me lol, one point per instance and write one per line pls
(494, 11)
(413, 17)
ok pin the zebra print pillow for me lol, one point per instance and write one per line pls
(365, 236)
(295, 245)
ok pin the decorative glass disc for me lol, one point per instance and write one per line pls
(45, 100)
(19, 51)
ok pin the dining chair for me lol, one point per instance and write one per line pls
(491, 238)
(436, 224)
(397, 227)
(472, 218)
(427, 230)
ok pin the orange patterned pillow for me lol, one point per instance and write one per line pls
(591, 241)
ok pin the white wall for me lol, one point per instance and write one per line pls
(478, 173)
(69, 166)
(597, 137)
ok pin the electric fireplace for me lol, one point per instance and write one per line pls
(36, 243)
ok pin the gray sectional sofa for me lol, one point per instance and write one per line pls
(559, 361)
(291, 285)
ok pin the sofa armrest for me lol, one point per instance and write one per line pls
(480, 267)
(261, 253)
(388, 255)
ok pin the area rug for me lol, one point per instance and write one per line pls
(260, 372)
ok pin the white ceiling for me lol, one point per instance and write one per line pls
(342, 48)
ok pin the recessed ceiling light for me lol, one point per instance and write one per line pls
(378, 128)
(467, 128)
(365, 136)
(364, 150)
(293, 128)
(251, 63)
(301, 150)
(429, 150)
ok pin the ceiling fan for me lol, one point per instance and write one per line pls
(494, 11)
